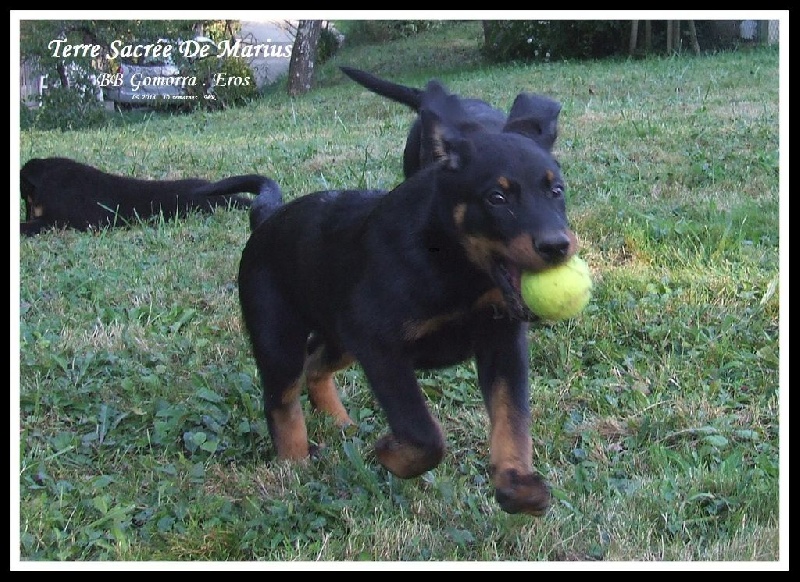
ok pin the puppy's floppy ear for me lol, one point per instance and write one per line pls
(536, 117)
(442, 141)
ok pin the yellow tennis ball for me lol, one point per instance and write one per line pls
(559, 292)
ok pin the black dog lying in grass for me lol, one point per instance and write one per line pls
(424, 276)
(540, 115)
(60, 192)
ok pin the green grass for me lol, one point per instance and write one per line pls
(655, 413)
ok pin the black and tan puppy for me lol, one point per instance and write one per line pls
(424, 276)
(540, 114)
(60, 192)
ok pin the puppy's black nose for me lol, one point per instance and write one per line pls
(553, 247)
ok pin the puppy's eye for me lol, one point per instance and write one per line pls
(557, 191)
(496, 198)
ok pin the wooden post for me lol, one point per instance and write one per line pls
(648, 35)
(763, 32)
(693, 37)
(669, 36)
(634, 33)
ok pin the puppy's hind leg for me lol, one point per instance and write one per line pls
(278, 340)
(321, 363)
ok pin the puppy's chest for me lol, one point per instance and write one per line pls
(455, 320)
(450, 337)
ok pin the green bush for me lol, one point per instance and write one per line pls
(235, 93)
(27, 116)
(329, 42)
(375, 31)
(235, 82)
(542, 40)
(67, 108)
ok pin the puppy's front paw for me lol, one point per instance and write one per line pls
(406, 460)
(521, 493)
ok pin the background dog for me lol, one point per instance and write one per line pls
(60, 192)
(538, 113)
(424, 276)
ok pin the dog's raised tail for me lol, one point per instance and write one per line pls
(268, 194)
(250, 183)
(408, 96)
(269, 199)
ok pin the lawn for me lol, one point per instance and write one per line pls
(656, 412)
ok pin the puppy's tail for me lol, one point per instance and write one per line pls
(228, 188)
(269, 199)
(408, 96)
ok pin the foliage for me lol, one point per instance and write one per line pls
(330, 41)
(36, 37)
(377, 31)
(218, 30)
(543, 40)
(67, 108)
(237, 85)
(229, 79)
(27, 116)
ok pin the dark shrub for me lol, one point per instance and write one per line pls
(375, 31)
(530, 40)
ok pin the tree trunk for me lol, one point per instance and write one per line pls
(670, 26)
(304, 53)
(62, 74)
(486, 32)
(633, 38)
(693, 37)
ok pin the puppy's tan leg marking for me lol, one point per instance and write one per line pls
(288, 427)
(518, 488)
(321, 387)
(407, 460)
